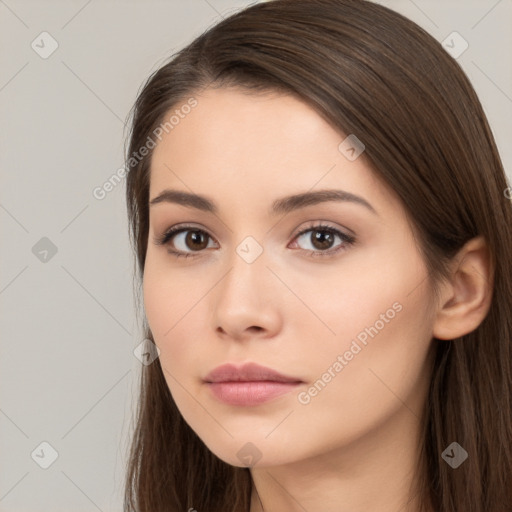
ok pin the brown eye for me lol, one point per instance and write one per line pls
(183, 241)
(196, 240)
(321, 240)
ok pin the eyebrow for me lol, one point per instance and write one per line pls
(279, 206)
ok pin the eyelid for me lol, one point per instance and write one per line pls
(346, 238)
(323, 224)
(178, 228)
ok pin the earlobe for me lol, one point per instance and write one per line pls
(466, 297)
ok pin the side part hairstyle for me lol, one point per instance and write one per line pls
(371, 72)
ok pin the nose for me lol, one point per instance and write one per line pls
(246, 301)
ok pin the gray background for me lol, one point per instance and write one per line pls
(68, 320)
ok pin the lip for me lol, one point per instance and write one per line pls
(245, 393)
(248, 372)
(249, 384)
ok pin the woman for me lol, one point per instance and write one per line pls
(319, 215)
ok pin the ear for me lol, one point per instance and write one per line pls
(466, 296)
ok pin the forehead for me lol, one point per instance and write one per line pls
(230, 122)
(240, 146)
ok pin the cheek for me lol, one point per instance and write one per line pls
(158, 295)
(385, 376)
(376, 365)
(340, 304)
(376, 308)
(173, 303)
(162, 307)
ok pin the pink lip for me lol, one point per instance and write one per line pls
(248, 372)
(249, 393)
(249, 384)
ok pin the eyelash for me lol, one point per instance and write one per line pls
(347, 240)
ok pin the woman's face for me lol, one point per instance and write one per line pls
(345, 309)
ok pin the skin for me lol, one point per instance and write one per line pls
(353, 447)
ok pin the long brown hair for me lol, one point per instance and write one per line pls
(370, 72)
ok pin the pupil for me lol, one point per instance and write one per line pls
(322, 239)
(194, 238)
